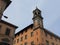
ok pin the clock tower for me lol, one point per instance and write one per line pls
(37, 18)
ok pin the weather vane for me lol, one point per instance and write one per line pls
(36, 3)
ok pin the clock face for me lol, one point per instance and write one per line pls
(36, 22)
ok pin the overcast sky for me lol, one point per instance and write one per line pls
(20, 13)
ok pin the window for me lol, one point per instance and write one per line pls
(43, 39)
(25, 43)
(14, 41)
(7, 31)
(47, 42)
(0, 27)
(21, 44)
(31, 34)
(25, 36)
(59, 40)
(56, 44)
(42, 44)
(46, 34)
(32, 43)
(37, 33)
(56, 39)
(5, 40)
(21, 38)
(25, 30)
(51, 36)
(38, 44)
(21, 32)
(52, 43)
(17, 40)
(0, 10)
(37, 39)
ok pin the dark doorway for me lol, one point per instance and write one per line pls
(2, 43)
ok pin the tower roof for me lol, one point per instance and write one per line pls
(36, 10)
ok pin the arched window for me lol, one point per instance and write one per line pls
(7, 31)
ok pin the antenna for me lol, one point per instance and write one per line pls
(36, 7)
(36, 3)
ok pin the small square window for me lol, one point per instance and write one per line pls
(25, 30)
(21, 44)
(21, 38)
(47, 42)
(52, 43)
(0, 27)
(7, 31)
(51, 36)
(25, 43)
(56, 44)
(31, 34)
(14, 41)
(25, 36)
(17, 40)
(46, 34)
(32, 43)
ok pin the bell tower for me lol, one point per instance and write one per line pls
(37, 18)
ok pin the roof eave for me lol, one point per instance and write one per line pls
(9, 24)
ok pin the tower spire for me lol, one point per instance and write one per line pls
(36, 6)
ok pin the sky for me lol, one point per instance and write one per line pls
(20, 13)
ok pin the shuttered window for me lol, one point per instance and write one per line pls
(7, 31)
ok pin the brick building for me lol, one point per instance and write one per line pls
(7, 29)
(36, 34)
